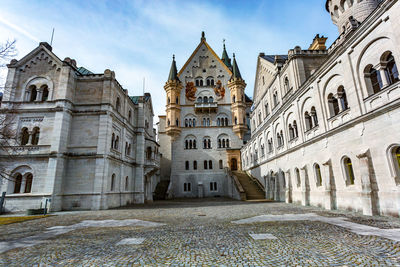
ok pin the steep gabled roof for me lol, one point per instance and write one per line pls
(203, 41)
(225, 58)
(173, 73)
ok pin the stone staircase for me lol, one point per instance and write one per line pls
(161, 190)
(252, 188)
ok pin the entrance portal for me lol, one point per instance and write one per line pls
(234, 166)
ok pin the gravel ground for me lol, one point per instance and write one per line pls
(200, 233)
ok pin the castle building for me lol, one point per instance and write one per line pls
(325, 122)
(80, 140)
(205, 124)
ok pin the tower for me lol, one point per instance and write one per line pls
(237, 85)
(173, 89)
(345, 13)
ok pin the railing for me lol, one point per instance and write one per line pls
(206, 105)
(236, 183)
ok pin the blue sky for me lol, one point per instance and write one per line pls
(136, 39)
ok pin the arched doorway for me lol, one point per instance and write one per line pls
(234, 166)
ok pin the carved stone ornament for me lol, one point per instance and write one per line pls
(219, 90)
(191, 91)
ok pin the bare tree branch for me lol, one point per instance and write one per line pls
(8, 129)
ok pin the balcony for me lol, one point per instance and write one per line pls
(206, 107)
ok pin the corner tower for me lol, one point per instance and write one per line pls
(173, 89)
(237, 85)
(345, 13)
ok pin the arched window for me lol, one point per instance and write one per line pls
(33, 93)
(314, 117)
(208, 82)
(24, 137)
(187, 165)
(291, 132)
(218, 122)
(186, 144)
(205, 165)
(236, 121)
(397, 157)
(343, 98)
(169, 101)
(296, 132)
(118, 104)
(226, 122)
(373, 80)
(223, 143)
(112, 140)
(227, 143)
(391, 71)
(210, 165)
(190, 144)
(17, 183)
(130, 116)
(221, 164)
(219, 143)
(298, 180)
(208, 121)
(266, 109)
(199, 100)
(129, 149)
(211, 99)
(234, 99)
(194, 144)
(35, 136)
(28, 183)
(177, 100)
(169, 123)
(177, 122)
(116, 142)
(195, 165)
(318, 175)
(126, 183)
(275, 98)
(348, 167)
(282, 139)
(287, 85)
(205, 143)
(308, 121)
(270, 146)
(194, 122)
(278, 138)
(201, 82)
(333, 105)
(186, 123)
(45, 92)
(112, 187)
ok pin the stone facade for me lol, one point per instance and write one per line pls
(325, 122)
(81, 141)
(197, 136)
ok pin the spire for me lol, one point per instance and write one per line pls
(235, 69)
(173, 73)
(203, 36)
(225, 58)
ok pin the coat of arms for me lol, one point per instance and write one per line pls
(191, 91)
(219, 90)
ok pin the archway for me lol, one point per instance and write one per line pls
(234, 164)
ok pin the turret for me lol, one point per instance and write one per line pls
(238, 108)
(173, 89)
(349, 13)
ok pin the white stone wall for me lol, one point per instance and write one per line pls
(369, 125)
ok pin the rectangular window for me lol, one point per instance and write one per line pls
(205, 165)
(213, 186)
(187, 165)
(194, 165)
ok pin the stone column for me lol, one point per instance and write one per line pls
(385, 81)
(288, 191)
(30, 138)
(366, 193)
(276, 189)
(23, 183)
(329, 205)
(305, 187)
(267, 186)
(39, 94)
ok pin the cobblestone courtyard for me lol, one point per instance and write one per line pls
(203, 233)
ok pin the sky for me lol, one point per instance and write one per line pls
(137, 38)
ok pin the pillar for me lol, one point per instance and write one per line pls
(288, 191)
(329, 201)
(367, 197)
(305, 187)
